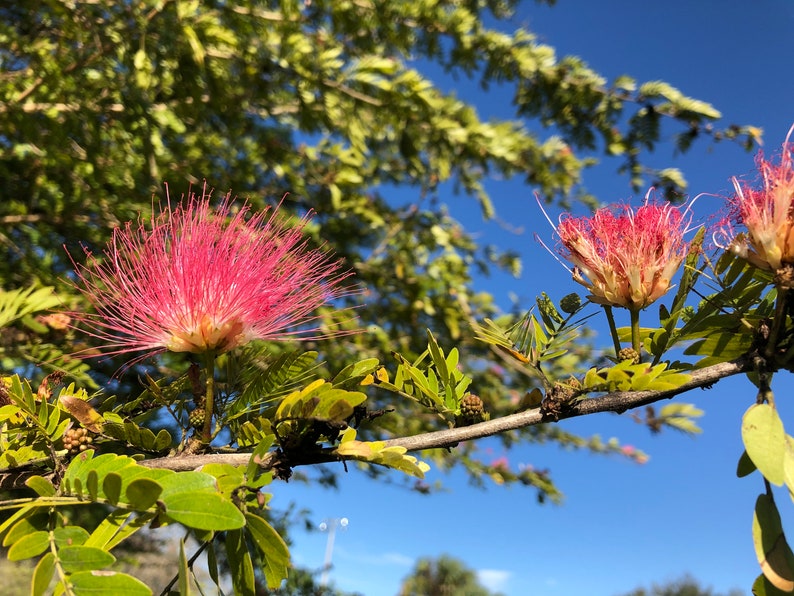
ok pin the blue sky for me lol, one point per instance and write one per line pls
(622, 525)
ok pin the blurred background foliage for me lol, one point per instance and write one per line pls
(101, 102)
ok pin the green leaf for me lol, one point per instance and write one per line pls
(437, 355)
(273, 548)
(765, 441)
(26, 525)
(679, 416)
(111, 486)
(788, 464)
(187, 482)
(184, 571)
(745, 466)
(142, 493)
(252, 470)
(116, 527)
(106, 583)
(42, 575)
(771, 548)
(377, 453)
(16, 304)
(337, 404)
(70, 536)
(204, 511)
(354, 373)
(240, 563)
(29, 546)
(227, 477)
(84, 558)
(763, 587)
(16, 517)
(212, 563)
(163, 440)
(279, 378)
(92, 484)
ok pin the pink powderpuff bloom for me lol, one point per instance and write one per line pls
(767, 213)
(199, 279)
(625, 257)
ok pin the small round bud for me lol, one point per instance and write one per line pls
(471, 409)
(197, 417)
(570, 303)
(629, 354)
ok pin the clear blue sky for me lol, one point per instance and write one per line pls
(622, 525)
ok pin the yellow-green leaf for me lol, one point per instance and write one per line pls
(42, 486)
(771, 548)
(29, 546)
(107, 582)
(205, 511)
(84, 558)
(765, 441)
(273, 548)
(142, 493)
(42, 575)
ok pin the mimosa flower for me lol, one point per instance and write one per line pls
(198, 279)
(625, 257)
(767, 213)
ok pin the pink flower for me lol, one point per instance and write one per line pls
(625, 257)
(767, 213)
(632, 452)
(501, 463)
(199, 279)
(628, 450)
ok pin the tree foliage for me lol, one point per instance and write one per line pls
(443, 575)
(685, 586)
(102, 102)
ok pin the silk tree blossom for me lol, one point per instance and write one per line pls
(767, 213)
(199, 279)
(625, 257)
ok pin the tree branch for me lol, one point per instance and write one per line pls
(617, 401)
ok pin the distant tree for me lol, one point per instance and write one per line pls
(442, 576)
(303, 582)
(684, 586)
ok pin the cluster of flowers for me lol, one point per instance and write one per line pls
(199, 279)
(627, 257)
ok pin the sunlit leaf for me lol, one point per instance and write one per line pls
(765, 441)
(272, 546)
(29, 546)
(205, 511)
(771, 548)
(42, 575)
(108, 582)
(84, 558)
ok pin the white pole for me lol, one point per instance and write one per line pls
(330, 526)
